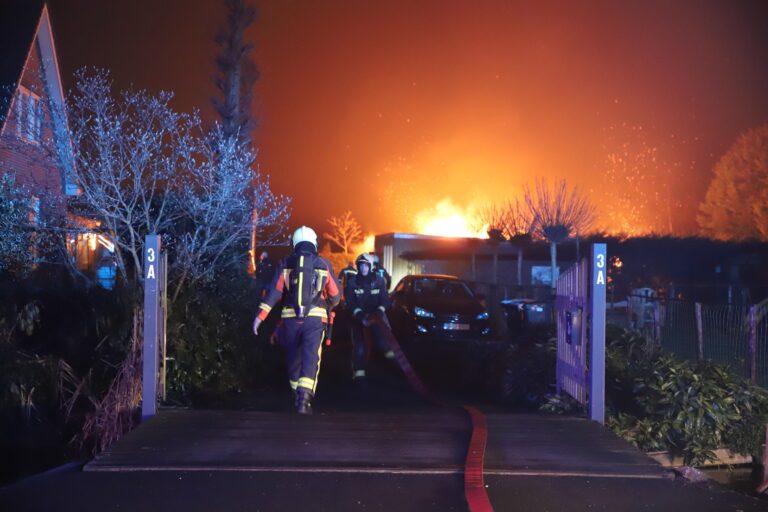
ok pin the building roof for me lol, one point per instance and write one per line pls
(434, 276)
(531, 250)
(19, 20)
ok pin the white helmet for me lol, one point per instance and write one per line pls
(305, 234)
(365, 258)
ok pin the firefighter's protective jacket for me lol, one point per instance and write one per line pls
(382, 273)
(345, 274)
(325, 291)
(366, 295)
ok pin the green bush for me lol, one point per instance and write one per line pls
(526, 369)
(658, 402)
(215, 356)
(563, 404)
(61, 342)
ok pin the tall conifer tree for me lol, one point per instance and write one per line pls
(237, 73)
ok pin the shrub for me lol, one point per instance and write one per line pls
(528, 369)
(658, 402)
(215, 354)
(61, 344)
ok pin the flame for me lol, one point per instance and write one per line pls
(367, 245)
(447, 219)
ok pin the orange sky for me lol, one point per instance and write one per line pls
(388, 107)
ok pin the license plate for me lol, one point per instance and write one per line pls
(455, 327)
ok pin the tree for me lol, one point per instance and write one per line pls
(128, 153)
(736, 203)
(345, 233)
(214, 208)
(556, 212)
(508, 220)
(145, 169)
(237, 73)
(15, 233)
(217, 206)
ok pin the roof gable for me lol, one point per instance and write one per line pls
(19, 21)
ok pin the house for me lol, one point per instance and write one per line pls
(520, 268)
(34, 141)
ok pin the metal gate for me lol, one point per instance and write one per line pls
(580, 306)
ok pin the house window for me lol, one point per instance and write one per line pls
(29, 116)
(90, 251)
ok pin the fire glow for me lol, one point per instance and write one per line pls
(448, 220)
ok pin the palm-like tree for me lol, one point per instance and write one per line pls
(556, 212)
(508, 220)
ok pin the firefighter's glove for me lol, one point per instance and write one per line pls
(256, 324)
(369, 319)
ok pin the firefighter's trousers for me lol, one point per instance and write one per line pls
(361, 350)
(303, 342)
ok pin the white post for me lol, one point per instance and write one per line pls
(597, 334)
(151, 326)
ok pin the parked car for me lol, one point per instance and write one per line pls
(438, 306)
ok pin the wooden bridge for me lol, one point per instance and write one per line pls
(429, 442)
(202, 460)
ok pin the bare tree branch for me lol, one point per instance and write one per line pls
(345, 232)
(556, 213)
(145, 169)
(509, 219)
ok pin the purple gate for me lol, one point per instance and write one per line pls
(580, 303)
(571, 304)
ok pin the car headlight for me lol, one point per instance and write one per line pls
(423, 312)
(482, 316)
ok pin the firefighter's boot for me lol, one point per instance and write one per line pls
(304, 401)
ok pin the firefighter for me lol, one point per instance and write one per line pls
(265, 272)
(366, 296)
(346, 273)
(309, 290)
(381, 271)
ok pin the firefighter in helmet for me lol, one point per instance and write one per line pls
(265, 272)
(309, 290)
(346, 272)
(381, 271)
(366, 297)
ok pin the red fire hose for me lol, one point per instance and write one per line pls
(474, 485)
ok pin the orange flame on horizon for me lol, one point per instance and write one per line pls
(448, 220)
(367, 245)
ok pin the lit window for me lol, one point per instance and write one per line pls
(29, 114)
